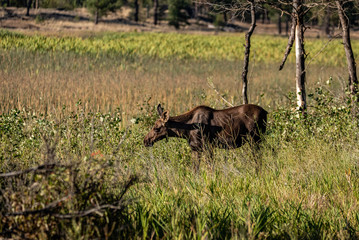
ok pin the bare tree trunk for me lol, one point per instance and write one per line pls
(136, 10)
(225, 19)
(344, 21)
(290, 39)
(196, 10)
(28, 6)
(96, 16)
(300, 58)
(279, 24)
(286, 25)
(247, 52)
(147, 11)
(155, 15)
(263, 16)
(326, 22)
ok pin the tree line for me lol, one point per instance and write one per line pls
(218, 12)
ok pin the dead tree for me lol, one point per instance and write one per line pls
(297, 35)
(344, 21)
(247, 52)
(300, 57)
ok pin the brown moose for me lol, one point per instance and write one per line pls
(204, 126)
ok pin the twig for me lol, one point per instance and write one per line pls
(49, 209)
(322, 49)
(211, 84)
(41, 168)
(46, 210)
(85, 213)
(121, 141)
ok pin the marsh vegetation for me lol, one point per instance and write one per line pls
(81, 112)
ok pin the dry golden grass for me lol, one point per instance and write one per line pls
(49, 82)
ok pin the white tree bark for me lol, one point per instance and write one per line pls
(300, 58)
(300, 71)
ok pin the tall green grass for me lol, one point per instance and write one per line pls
(303, 184)
(89, 114)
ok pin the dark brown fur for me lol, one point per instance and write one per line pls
(227, 128)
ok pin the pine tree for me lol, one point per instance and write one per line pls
(178, 12)
(99, 8)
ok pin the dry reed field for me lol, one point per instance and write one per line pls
(50, 81)
(73, 164)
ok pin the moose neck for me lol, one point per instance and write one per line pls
(181, 125)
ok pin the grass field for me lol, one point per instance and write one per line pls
(84, 106)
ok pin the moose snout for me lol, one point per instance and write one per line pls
(148, 142)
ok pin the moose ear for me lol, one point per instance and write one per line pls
(159, 110)
(165, 116)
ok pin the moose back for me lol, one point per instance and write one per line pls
(227, 128)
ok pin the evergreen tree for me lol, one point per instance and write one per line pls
(178, 12)
(99, 8)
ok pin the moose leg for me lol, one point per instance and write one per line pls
(197, 149)
(196, 160)
(209, 156)
(255, 147)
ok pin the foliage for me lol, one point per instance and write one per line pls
(60, 4)
(306, 187)
(100, 8)
(219, 21)
(178, 12)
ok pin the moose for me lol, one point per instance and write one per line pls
(204, 126)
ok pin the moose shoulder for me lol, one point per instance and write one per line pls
(227, 128)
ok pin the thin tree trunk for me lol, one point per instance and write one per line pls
(263, 16)
(155, 15)
(300, 58)
(344, 21)
(286, 25)
(290, 39)
(96, 16)
(196, 10)
(326, 23)
(247, 52)
(136, 10)
(279, 24)
(28, 6)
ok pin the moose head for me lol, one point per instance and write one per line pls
(160, 129)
